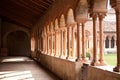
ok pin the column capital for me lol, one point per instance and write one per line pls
(94, 16)
(101, 16)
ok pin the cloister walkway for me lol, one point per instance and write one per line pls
(23, 68)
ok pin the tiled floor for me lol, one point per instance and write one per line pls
(23, 68)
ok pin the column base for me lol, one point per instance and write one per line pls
(95, 63)
(116, 69)
(69, 57)
(62, 56)
(52, 54)
(78, 59)
(84, 59)
(103, 63)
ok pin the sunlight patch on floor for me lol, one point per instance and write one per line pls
(15, 59)
(16, 75)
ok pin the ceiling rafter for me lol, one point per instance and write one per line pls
(24, 12)
(41, 3)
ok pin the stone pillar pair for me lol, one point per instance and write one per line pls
(95, 61)
(63, 42)
(81, 57)
(70, 39)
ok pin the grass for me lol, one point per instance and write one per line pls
(111, 59)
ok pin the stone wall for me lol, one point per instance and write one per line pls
(94, 73)
(65, 69)
(69, 70)
(0, 33)
(8, 28)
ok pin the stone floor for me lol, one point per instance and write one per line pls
(23, 68)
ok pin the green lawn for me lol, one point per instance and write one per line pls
(111, 59)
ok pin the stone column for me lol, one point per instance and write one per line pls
(83, 43)
(109, 42)
(52, 44)
(104, 43)
(48, 44)
(58, 43)
(0, 33)
(102, 60)
(115, 43)
(78, 42)
(95, 61)
(55, 47)
(117, 68)
(65, 42)
(73, 42)
(61, 42)
(68, 42)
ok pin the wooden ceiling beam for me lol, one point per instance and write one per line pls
(40, 3)
(16, 18)
(29, 5)
(25, 7)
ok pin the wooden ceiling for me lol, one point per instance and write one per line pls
(24, 12)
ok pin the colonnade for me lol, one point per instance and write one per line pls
(58, 39)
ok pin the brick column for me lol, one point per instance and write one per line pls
(117, 68)
(78, 42)
(102, 60)
(95, 61)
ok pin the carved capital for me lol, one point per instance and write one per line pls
(94, 16)
(101, 16)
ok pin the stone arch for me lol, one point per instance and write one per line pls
(107, 42)
(19, 29)
(56, 24)
(18, 43)
(113, 41)
(51, 27)
(70, 17)
(62, 20)
(32, 44)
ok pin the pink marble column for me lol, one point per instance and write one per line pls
(95, 61)
(73, 42)
(55, 44)
(68, 42)
(109, 41)
(83, 43)
(59, 45)
(102, 60)
(48, 44)
(78, 42)
(52, 44)
(117, 68)
(65, 42)
(61, 42)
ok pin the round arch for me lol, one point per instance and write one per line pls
(17, 43)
